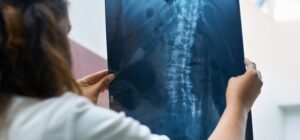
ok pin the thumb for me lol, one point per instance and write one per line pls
(104, 83)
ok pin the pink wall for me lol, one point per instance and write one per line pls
(86, 62)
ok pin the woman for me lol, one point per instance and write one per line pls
(40, 99)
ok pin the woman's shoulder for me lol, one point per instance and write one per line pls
(60, 107)
(71, 117)
(54, 117)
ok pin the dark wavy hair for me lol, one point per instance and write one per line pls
(35, 56)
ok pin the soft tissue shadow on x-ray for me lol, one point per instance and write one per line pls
(173, 59)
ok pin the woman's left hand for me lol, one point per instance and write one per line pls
(94, 84)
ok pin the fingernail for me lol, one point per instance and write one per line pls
(111, 77)
(246, 60)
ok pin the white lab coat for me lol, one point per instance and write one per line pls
(69, 117)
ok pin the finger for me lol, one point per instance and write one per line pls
(250, 65)
(95, 77)
(104, 83)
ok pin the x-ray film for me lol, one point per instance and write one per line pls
(173, 59)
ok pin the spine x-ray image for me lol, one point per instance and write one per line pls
(173, 59)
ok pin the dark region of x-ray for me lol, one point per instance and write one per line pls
(173, 59)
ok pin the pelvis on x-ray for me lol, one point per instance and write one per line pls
(173, 59)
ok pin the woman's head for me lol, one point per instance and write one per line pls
(34, 50)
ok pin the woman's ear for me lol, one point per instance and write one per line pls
(65, 24)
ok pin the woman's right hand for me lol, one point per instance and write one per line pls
(241, 94)
(243, 90)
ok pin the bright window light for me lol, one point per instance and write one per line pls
(286, 10)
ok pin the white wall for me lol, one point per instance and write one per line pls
(275, 47)
(88, 26)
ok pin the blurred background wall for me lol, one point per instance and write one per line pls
(271, 38)
(271, 31)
